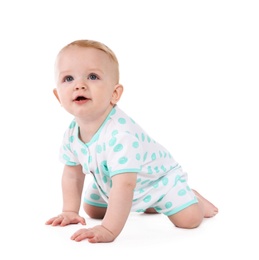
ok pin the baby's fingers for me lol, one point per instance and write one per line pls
(54, 221)
(82, 234)
(78, 220)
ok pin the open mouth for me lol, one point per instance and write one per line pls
(80, 98)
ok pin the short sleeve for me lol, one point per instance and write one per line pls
(124, 154)
(67, 155)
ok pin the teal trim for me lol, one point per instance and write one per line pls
(96, 135)
(171, 212)
(71, 163)
(125, 171)
(95, 204)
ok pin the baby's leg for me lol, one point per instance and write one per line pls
(94, 208)
(192, 216)
(94, 212)
(151, 211)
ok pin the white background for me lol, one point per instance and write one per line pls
(190, 72)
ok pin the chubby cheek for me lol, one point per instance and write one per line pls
(63, 98)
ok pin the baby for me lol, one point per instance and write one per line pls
(131, 171)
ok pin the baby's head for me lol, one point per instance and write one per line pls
(87, 78)
(96, 45)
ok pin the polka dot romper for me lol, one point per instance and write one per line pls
(122, 146)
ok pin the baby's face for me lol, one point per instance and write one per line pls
(85, 79)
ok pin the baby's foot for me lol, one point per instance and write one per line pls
(209, 209)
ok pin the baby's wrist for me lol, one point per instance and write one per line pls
(69, 211)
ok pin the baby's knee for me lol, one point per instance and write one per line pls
(188, 218)
(188, 223)
(94, 212)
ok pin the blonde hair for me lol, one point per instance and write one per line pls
(97, 45)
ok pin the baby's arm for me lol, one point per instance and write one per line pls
(72, 186)
(119, 205)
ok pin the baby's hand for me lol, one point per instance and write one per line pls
(66, 218)
(97, 234)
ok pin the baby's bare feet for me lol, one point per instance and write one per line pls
(209, 209)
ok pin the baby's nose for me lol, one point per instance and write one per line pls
(80, 84)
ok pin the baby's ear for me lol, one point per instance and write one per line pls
(55, 92)
(117, 92)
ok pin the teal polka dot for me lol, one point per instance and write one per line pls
(163, 168)
(72, 125)
(153, 156)
(157, 208)
(145, 157)
(168, 205)
(112, 141)
(181, 192)
(94, 196)
(114, 132)
(147, 198)
(85, 167)
(149, 170)
(90, 159)
(122, 120)
(84, 151)
(118, 148)
(99, 149)
(104, 167)
(160, 153)
(94, 186)
(65, 157)
(123, 160)
(143, 137)
(177, 178)
(135, 144)
(75, 153)
(155, 185)
(71, 139)
(137, 136)
(138, 157)
(165, 181)
(105, 179)
(148, 139)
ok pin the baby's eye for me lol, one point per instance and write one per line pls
(93, 76)
(68, 79)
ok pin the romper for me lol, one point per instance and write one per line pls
(121, 146)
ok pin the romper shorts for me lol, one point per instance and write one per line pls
(168, 195)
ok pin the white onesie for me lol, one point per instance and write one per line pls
(121, 146)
